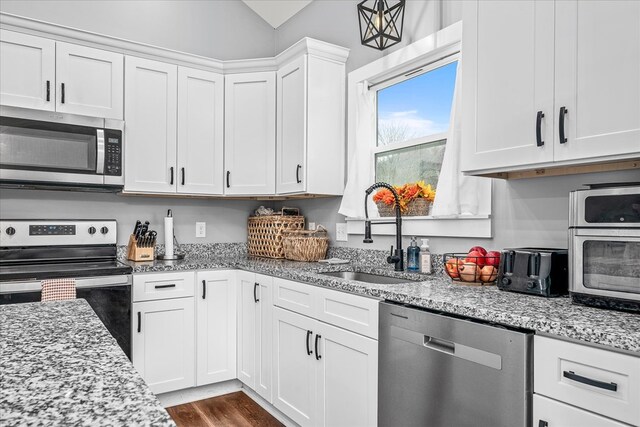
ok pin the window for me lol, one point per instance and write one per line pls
(413, 118)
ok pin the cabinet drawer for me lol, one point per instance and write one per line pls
(294, 296)
(353, 312)
(601, 381)
(551, 413)
(147, 287)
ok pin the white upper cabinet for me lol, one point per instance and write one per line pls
(27, 71)
(507, 83)
(310, 126)
(150, 134)
(89, 81)
(597, 78)
(549, 83)
(250, 132)
(200, 131)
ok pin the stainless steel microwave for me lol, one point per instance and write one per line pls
(48, 148)
(604, 254)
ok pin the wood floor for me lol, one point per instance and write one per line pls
(233, 409)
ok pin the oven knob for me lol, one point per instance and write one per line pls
(104, 230)
(92, 230)
(11, 231)
(506, 281)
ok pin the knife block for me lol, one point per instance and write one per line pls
(137, 253)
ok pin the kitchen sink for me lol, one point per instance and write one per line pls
(367, 278)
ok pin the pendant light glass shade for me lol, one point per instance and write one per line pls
(381, 22)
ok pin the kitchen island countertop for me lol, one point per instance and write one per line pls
(60, 366)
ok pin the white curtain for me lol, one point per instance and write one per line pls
(361, 161)
(457, 194)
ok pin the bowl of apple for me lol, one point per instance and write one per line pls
(477, 267)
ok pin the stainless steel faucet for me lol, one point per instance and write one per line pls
(396, 257)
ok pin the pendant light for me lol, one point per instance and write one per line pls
(381, 22)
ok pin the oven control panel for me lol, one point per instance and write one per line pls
(57, 232)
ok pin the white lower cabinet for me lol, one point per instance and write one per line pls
(215, 327)
(323, 375)
(163, 343)
(551, 413)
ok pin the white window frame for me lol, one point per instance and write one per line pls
(435, 50)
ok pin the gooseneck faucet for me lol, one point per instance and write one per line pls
(396, 257)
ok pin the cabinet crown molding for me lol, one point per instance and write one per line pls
(57, 32)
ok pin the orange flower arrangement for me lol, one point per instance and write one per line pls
(407, 193)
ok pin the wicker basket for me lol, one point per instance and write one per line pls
(266, 233)
(306, 245)
(416, 207)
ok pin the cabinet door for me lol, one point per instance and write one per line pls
(347, 378)
(150, 115)
(200, 131)
(27, 71)
(597, 67)
(250, 120)
(247, 294)
(507, 72)
(89, 81)
(295, 388)
(551, 413)
(215, 327)
(264, 337)
(163, 343)
(292, 126)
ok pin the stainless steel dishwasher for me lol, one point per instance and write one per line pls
(440, 371)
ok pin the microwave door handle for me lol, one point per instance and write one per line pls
(100, 151)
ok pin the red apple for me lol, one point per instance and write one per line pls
(475, 257)
(493, 258)
(469, 272)
(452, 267)
(480, 249)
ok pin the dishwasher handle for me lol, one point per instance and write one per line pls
(439, 344)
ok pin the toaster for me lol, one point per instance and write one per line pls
(535, 271)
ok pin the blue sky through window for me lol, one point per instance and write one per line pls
(416, 107)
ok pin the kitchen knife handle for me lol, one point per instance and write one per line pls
(171, 173)
(62, 94)
(318, 356)
(298, 180)
(309, 352)
(539, 117)
(48, 90)
(182, 176)
(255, 292)
(563, 113)
(139, 322)
(204, 289)
(228, 176)
(588, 381)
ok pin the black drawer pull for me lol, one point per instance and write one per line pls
(48, 91)
(204, 289)
(309, 352)
(563, 113)
(228, 176)
(182, 176)
(171, 178)
(255, 292)
(588, 381)
(173, 285)
(318, 357)
(539, 117)
(62, 95)
(298, 180)
(139, 322)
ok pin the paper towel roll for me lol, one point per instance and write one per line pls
(168, 237)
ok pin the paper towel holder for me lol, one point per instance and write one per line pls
(176, 256)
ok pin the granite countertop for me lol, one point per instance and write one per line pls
(60, 366)
(555, 316)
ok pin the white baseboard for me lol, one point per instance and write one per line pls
(187, 395)
(268, 407)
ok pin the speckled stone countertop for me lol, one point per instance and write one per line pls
(60, 366)
(556, 316)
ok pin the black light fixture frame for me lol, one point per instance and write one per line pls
(387, 33)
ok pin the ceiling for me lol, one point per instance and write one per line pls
(276, 12)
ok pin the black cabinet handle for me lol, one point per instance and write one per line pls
(228, 176)
(182, 176)
(588, 381)
(173, 285)
(204, 289)
(309, 352)
(171, 173)
(563, 113)
(298, 180)
(543, 423)
(139, 322)
(48, 91)
(255, 294)
(62, 95)
(318, 357)
(539, 117)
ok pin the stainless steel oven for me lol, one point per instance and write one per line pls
(604, 256)
(61, 149)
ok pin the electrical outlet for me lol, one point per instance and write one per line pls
(201, 229)
(312, 226)
(341, 232)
